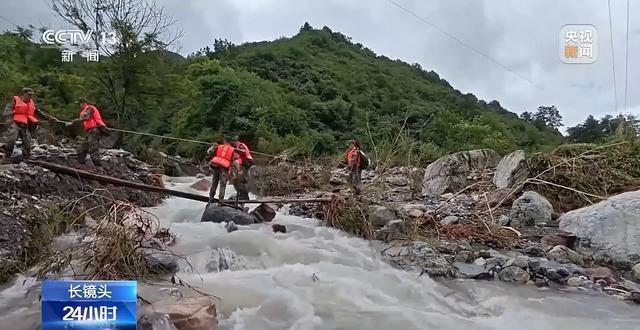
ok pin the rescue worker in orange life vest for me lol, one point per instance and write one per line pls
(245, 161)
(224, 157)
(20, 117)
(354, 163)
(94, 128)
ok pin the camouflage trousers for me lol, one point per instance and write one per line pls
(355, 179)
(14, 132)
(91, 146)
(220, 177)
(241, 183)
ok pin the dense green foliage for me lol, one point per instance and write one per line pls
(309, 94)
(606, 129)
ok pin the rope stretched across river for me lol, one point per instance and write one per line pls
(159, 136)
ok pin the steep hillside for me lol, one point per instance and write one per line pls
(342, 88)
(308, 94)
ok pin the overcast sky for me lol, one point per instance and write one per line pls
(522, 35)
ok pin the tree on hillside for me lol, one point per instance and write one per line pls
(549, 116)
(306, 27)
(141, 26)
(527, 116)
(596, 131)
(222, 45)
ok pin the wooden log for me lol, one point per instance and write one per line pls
(81, 174)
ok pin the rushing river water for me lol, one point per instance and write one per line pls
(315, 277)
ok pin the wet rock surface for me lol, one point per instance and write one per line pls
(176, 312)
(420, 256)
(609, 229)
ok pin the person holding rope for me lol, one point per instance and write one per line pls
(224, 157)
(94, 127)
(21, 116)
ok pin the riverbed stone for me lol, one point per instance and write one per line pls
(449, 173)
(465, 256)
(574, 281)
(565, 255)
(635, 273)
(503, 220)
(530, 209)
(511, 170)
(278, 228)
(216, 213)
(610, 229)
(231, 227)
(201, 185)
(560, 238)
(415, 213)
(397, 180)
(179, 313)
(602, 273)
(514, 274)
(534, 251)
(263, 213)
(472, 271)
(420, 256)
(380, 215)
(449, 220)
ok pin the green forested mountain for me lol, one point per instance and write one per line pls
(310, 93)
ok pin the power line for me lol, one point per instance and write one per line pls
(613, 60)
(465, 44)
(626, 66)
(8, 20)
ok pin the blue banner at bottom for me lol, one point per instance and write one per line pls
(65, 315)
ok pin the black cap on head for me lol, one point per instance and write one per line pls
(28, 90)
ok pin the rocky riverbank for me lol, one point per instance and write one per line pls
(470, 215)
(38, 204)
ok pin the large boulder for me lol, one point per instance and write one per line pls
(449, 173)
(565, 255)
(263, 213)
(610, 229)
(514, 274)
(197, 313)
(635, 273)
(530, 209)
(380, 215)
(420, 256)
(216, 213)
(511, 170)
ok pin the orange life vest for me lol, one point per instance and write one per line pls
(23, 112)
(94, 121)
(242, 156)
(351, 154)
(223, 157)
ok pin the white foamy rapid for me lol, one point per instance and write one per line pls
(315, 277)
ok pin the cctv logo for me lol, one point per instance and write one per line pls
(77, 37)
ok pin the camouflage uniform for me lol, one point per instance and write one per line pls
(220, 176)
(241, 183)
(91, 143)
(15, 131)
(355, 173)
(91, 146)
